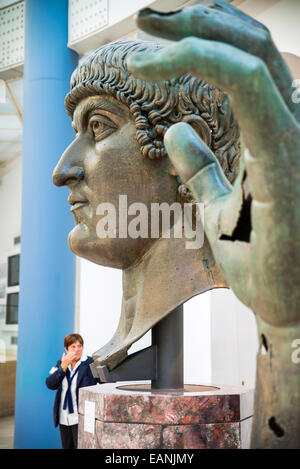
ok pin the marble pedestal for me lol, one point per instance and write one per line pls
(201, 417)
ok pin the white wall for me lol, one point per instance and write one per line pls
(100, 304)
(10, 227)
(233, 340)
(10, 203)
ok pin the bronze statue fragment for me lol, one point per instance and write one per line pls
(253, 226)
(120, 123)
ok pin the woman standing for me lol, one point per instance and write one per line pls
(70, 373)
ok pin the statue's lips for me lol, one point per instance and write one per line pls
(78, 205)
(77, 201)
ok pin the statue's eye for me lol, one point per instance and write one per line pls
(96, 126)
(101, 127)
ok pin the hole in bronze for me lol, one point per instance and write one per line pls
(243, 228)
(279, 432)
(264, 342)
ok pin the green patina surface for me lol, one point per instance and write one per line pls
(253, 226)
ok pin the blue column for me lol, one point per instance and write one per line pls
(47, 275)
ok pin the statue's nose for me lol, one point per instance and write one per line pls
(69, 168)
(64, 175)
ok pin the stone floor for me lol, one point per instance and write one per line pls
(7, 432)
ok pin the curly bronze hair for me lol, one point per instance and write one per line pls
(155, 106)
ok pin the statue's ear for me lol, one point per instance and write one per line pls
(202, 129)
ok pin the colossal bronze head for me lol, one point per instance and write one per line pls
(120, 123)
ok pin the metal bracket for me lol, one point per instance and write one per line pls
(138, 366)
(162, 362)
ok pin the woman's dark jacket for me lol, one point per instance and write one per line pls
(54, 381)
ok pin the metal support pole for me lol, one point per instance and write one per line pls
(167, 335)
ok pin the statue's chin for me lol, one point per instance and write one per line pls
(78, 238)
(107, 252)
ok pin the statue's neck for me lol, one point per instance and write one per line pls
(167, 276)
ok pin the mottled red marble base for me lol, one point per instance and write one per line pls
(199, 418)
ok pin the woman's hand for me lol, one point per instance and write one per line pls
(67, 359)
